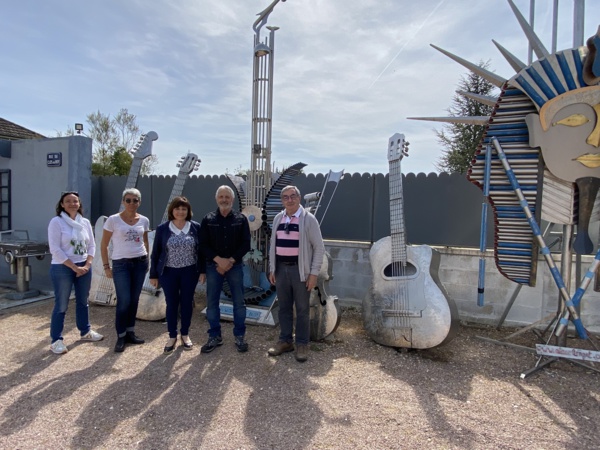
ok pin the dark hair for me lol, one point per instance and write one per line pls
(59, 207)
(176, 203)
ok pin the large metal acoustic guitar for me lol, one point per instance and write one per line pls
(152, 305)
(407, 306)
(102, 290)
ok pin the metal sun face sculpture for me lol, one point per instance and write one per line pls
(568, 132)
(566, 127)
(546, 119)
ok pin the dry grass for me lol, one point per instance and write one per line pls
(352, 393)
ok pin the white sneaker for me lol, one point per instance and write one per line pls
(92, 336)
(58, 347)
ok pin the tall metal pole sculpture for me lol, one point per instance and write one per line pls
(260, 201)
(259, 178)
(254, 194)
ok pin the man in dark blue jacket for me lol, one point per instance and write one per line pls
(224, 240)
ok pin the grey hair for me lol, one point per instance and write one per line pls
(287, 188)
(225, 188)
(132, 191)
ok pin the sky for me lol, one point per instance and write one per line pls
(347, 73)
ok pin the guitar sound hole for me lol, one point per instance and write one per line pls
(398, 269)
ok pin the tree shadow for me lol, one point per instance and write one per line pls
(124, 400)
(194, 403)
(439, 376)
(53, 391)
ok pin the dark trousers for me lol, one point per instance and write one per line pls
(179, 285)
(291, 291)
(128, 276)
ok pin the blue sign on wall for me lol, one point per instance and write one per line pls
(54, 159)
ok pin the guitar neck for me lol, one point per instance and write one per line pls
(397, 228)
(134, 173)
(177, 190)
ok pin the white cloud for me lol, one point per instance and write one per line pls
(347, 72)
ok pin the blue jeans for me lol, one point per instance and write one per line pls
(179, 285)
(214, 286)
(128, 276)
(290, 291)
(64, 280)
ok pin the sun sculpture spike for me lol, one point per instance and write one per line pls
(496, 80)
(534, 41)
(483, 99)
(514, 62)
(465, 120)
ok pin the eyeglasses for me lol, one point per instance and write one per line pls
(286, 227)
(134, 200)
(286, 198)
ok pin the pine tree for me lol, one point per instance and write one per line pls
(460, 140)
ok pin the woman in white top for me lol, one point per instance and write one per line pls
(128, 231)
(72, 246)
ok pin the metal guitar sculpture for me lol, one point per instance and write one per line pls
(407, 306)
(102, 290)
(152, 305)
(325, 312)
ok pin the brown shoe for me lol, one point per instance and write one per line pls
(280, 348)
(301, 352)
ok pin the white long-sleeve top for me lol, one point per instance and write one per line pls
(59, 240)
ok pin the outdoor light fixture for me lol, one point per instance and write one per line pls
(261, 49)
(79, 128)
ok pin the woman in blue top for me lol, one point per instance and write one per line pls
(176, 264)
(72, 246)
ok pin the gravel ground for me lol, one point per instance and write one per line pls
(352, 392)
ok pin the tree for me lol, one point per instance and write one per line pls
(113, 140)
(460, 140)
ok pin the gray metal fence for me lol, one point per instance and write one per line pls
(439, 209)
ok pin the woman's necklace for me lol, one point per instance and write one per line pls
(129, 220)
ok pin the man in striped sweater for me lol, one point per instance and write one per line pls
(295, 258)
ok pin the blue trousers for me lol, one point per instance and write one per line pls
(214, 286)
(128, 276)
(179, 285)
(64, 280)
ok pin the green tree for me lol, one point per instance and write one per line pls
(121, 160)
(460, 140)
(114, 137)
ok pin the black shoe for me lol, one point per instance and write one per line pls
(120, 345)
(187, 343)
(169, 348)
(242, 346)
(131, 338)
(213, 342)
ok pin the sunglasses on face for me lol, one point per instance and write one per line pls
(134, 200)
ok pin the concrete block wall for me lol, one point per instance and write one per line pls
(459, 273)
